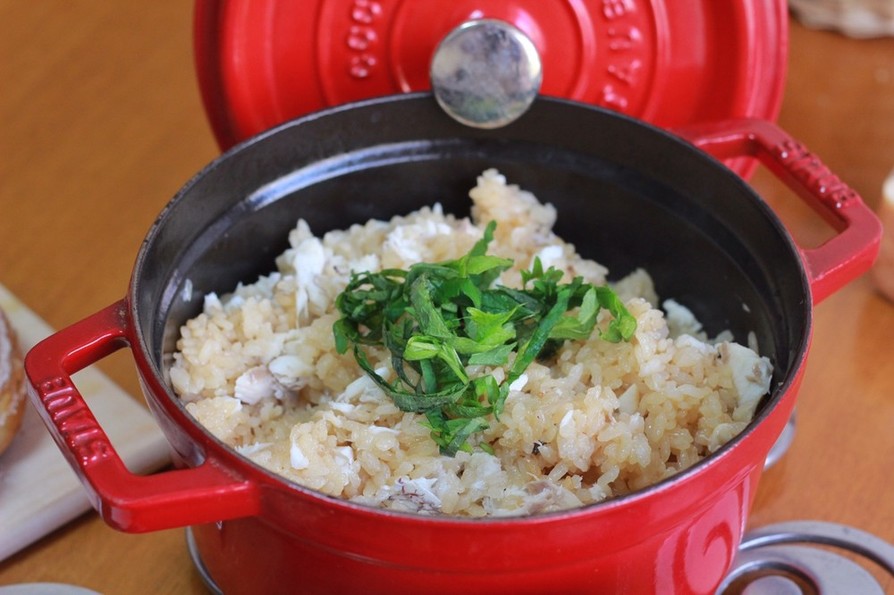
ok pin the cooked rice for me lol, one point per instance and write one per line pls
(259, 369)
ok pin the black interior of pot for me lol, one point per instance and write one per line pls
(627, 195)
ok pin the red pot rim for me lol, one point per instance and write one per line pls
(218, 450)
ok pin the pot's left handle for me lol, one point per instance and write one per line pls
(129, 502)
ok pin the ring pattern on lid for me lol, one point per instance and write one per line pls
(262, 62)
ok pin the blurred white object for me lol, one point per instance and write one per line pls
(855, 18)
(883, 269)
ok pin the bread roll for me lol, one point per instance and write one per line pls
(12, 383)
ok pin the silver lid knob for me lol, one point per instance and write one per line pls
(486, 73)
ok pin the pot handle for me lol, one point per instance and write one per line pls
(128, 502)
(842, 258)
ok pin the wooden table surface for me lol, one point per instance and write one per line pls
(101, 122)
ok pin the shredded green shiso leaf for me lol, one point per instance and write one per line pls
(438, 318)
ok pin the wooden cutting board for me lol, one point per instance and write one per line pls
(39, 492)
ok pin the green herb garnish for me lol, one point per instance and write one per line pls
(438, 318)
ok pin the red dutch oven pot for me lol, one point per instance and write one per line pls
(628, 194)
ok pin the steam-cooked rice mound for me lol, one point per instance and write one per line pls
(259, 369)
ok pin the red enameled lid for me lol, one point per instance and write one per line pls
(671, 63)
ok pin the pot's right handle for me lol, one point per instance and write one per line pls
(126, 501)
(844, 257)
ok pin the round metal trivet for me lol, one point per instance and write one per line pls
(783, 559)
(199, 564)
